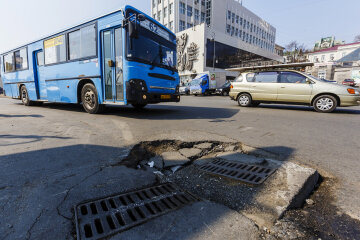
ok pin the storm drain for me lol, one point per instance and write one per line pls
(104, 217)
(240, 171)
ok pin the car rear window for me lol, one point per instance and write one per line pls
(266, 77)
(250, 77)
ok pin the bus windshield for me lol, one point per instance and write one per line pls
(153, 46)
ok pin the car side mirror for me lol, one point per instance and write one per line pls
(308, 81)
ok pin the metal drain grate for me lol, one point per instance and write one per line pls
(240, 171)
(104, 217)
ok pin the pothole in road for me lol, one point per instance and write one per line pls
(180, 162)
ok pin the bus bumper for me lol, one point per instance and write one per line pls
(137, 93)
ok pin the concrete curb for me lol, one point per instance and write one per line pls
(287, 188)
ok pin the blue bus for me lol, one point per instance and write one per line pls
(125, 57)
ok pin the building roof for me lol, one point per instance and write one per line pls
(335, 48)
(352, 57)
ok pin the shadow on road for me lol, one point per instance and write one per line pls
(307, 108)
(23, 139)
(163, 112)
(20, 116)
(156, 112)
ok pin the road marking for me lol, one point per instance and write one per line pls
(244, 129)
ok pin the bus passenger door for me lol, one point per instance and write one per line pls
(112, 55)
(38, 63)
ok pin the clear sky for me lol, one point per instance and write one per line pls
(306, 21)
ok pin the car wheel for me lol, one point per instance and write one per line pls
(25, 97)
(90, 101)
(139, 106)
(244, 100)
(325, 104)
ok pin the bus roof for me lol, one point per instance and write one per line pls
(272, 67)
(125, 8)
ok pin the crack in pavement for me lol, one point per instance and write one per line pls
(28, 233)
(71, 188)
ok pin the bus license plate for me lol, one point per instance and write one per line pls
(165, 97)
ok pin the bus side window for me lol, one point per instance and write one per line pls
(40, 58)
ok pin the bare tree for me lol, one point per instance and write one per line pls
(295, 51)
(357, 38)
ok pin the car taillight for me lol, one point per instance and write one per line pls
(351, 91)
(231, 86)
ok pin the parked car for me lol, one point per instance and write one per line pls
(224, 89)
(291, 87)
(349, 82)
(184, 90)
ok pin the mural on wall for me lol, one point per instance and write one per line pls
(185, 59)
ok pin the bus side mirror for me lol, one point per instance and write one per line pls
(132, 30)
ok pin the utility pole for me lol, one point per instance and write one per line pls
(214, 55)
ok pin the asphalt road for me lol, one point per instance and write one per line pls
(327, 142)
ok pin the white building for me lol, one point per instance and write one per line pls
(333, 54)
(239, 37)
(336, 63)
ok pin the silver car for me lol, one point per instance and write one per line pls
(291, 87)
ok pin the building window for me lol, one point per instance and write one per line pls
(241, 21)
(189, 11)
(250, 39)
(82, 43)
(21, 61)
(170, 8)
(323, 58)
(237, 19)
(182, 7)
(240, 33)
(197, 14)
(9, 62)
(165, 11)
(55, 50)
(233, 17)
(171, 26)
(227, 56)
(244, 23)
(236, 32)
(202, 17)
(182, 25)
(228, 28)
(229, 15)
(232, 30)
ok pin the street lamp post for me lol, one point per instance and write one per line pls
(214, 55)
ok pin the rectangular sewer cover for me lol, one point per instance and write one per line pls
(240, 171)
(104, 217)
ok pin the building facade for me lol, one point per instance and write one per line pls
(336, 63)
(216, 34)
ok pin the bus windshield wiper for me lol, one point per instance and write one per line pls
(154, 61)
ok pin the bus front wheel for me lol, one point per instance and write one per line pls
(25, 97)
(89, 98)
